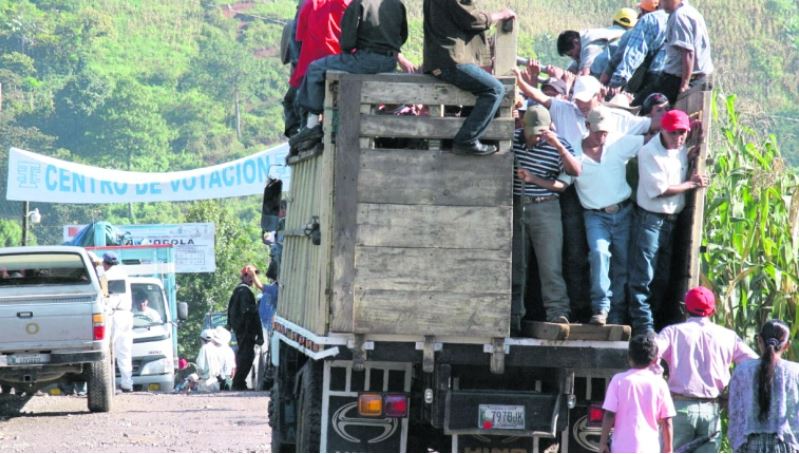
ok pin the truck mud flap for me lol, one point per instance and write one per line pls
(343, 430)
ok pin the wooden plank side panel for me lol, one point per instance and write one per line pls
(435, 291)
(434, 177)
(345, 188)
(427, 91)
(428, 127)
(438, 313)
(409, 226)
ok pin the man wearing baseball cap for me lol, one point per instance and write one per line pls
(699, 354)
(540, 157)
(663, 180)
(604, 195)
(641, 55)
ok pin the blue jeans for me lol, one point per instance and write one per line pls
(489, 92)
(311, 95)
(652, 234)
(608, 238)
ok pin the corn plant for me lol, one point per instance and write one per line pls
(751, 229)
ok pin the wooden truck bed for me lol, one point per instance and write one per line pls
(413, 241)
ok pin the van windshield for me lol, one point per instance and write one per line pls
(148, 305)
(42, 268)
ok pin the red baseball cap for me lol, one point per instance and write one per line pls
(700, 301)
(674, 120)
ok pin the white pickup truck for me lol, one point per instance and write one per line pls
(54, 322)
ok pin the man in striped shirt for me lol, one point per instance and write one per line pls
(540, 156)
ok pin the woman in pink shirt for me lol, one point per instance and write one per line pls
(638, 406)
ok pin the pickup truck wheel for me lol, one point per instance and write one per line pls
(100, 381)
(309, 408)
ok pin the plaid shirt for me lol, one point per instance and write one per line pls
(646, 38)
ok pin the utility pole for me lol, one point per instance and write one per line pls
(25, 208)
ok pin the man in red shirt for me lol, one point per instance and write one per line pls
(319, 31)
(372, 34)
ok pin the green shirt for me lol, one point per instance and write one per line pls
(454, 33)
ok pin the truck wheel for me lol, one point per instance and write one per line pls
(281, 421)
(100, 382)
(309, 408)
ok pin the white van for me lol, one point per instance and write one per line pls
(153, 352)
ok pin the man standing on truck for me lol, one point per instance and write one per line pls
(243, 320)
(541, 156)
(456, 51)
(699, 354)
(663, 181)
(123, 323)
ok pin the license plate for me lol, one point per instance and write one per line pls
(498, 417)
(28, 358)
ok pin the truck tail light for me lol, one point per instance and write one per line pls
(391, 405)
(98, 326)
(595, 415)
(395, 405)
(370, 404)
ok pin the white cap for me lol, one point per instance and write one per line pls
(585, 88)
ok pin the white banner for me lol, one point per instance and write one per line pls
(193, 242)
(37, 178)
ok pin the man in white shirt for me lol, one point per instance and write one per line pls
(662, 183)
(605, 197)
(569, 118)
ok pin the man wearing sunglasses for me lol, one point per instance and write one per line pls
(663, 180)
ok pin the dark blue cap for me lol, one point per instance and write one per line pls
(110, 258)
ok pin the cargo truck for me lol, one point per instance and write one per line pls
(393, 324)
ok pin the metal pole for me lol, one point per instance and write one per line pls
(26, 206)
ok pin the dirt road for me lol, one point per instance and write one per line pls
(140, 422)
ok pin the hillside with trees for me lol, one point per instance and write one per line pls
(151, 85)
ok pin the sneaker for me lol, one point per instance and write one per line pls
(600, 319)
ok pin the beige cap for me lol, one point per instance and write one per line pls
(536, 120)
(599, 120)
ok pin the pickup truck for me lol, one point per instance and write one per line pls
(54, 322)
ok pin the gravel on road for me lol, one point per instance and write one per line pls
(139, 422)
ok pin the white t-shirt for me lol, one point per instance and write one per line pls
(604, 183)
(658, 169)
(570, 122)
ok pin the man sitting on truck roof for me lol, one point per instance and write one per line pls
(540, 157)
(372, 34)
(456, 51)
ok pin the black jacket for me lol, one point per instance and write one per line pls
(242, 314)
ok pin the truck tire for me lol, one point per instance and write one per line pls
(100, 380)
(309, 407)
(282, 429)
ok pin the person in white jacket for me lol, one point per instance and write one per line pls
(122, 331)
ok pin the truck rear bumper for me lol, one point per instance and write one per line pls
(45, 360)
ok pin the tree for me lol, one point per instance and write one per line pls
(236, 244)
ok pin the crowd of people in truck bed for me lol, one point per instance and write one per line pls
(577, 130)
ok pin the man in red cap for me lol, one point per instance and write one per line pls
(663, 180)
(699, 354)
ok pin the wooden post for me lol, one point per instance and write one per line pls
(25, 208)
(505, 48)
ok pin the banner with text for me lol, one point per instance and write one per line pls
(37, 178)
(193, 242)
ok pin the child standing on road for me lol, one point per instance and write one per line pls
(638, 404)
